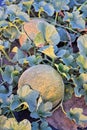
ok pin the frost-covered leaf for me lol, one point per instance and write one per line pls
(11, 123)
(35, 126)
(69, 90)
(61, 53)
(10, 75)
(3, 15)
(63, 34)
(84, 10)
(31, 99)
(68, 60)
(7, 74)
(34, 60)
(82, 62)
(11, 33)
(4, 23)
(23, 16)
(47, 7)
(79, 82)
(19, 55)
(82, 44)
(28, 95)
(3, 97)
(75, 19)
(23, 91)
(15, 104)
(77, 115)
(44, 126)
(52, 36)
(12, 9)
(26, 46)
(49, 33)
(73, 3)
(60, 5)
(49, 51)
(85, 91)
(44, 109)
(3, 89)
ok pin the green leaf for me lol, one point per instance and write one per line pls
(82, 44)
(63, 34)
(61, 53)
(23, 16)
(39, 40)
(28, 95)
(47, 7)
(75, 19)
(26, 46)
(77, 115)
(34, 60)
(19, 56)
(35, 126)
(31, 99)
(15, 104)
(3, 14)
(44, 109)
(51, 35)
(23, 91)
(82, 62)
(60, 5)
(3, 89)
(28, 4)
(85, 91)
(11, 33)
(63, 70)
(83, 9)
(13, 9)
(44, 126)
(4, 23)
(79, 82)
(69, 90)
(7, 77)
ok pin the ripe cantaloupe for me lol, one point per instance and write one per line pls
(46, 80)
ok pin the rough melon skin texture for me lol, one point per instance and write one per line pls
(46, 80)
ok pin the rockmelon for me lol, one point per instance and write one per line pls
(46, 80)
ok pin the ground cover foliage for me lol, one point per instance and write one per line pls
(66, 51)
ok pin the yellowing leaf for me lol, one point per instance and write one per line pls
(49, 52)
(11, 123)
(22, 106)
(39, 40)
(15, 49)
(1, 47)
(51, 35)
(82, 61)
(24, 90)
(77, 115)
(85, 86)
